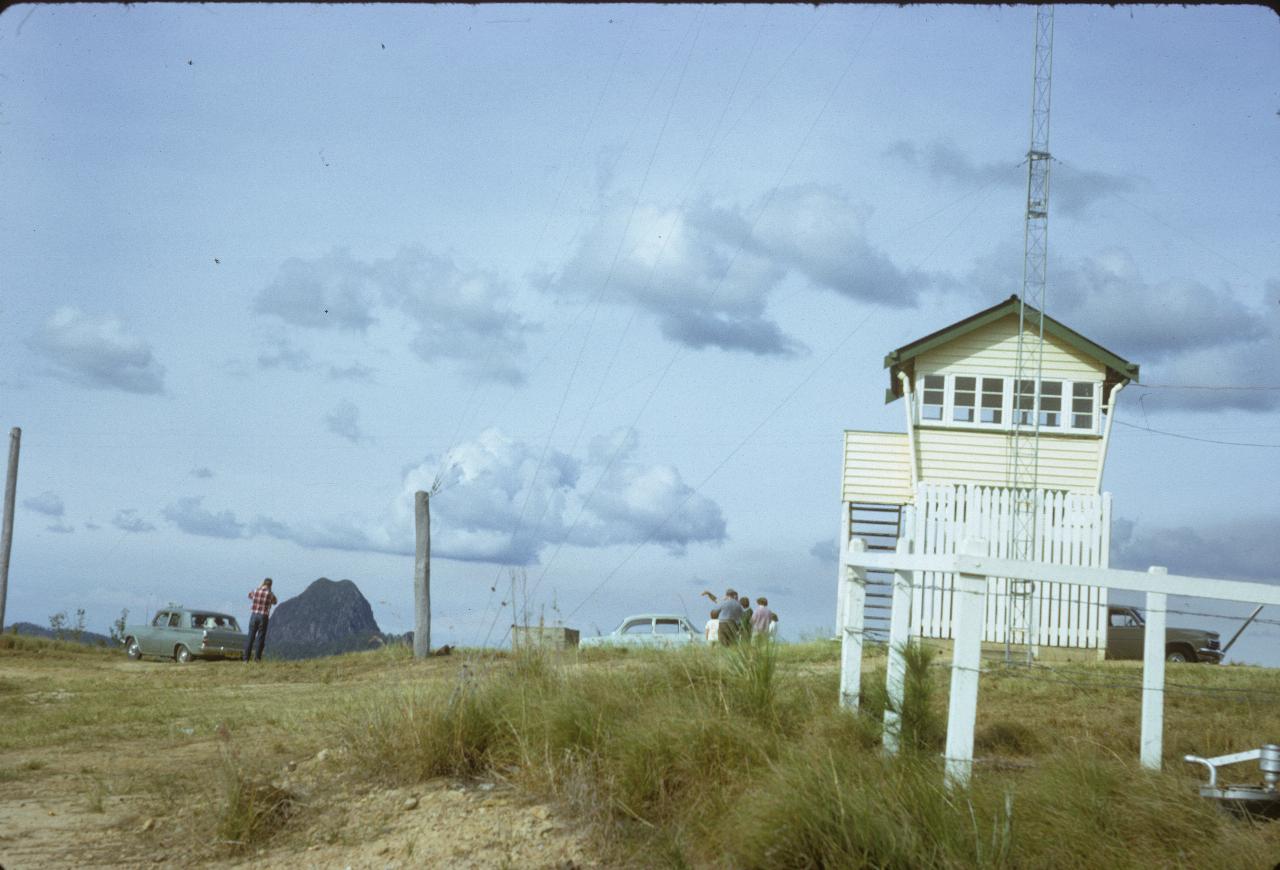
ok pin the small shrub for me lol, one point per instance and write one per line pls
(921, 726)
(1012, 738)
(251, 811)
(429, 732)
(95, 797)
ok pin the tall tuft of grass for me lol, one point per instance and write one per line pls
(922, 728)
(819, 806)
(425, 732)
(753, 664)
(250, 811)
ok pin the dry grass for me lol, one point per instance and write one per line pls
(738, 758)
(705, 757)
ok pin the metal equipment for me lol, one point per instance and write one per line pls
(1249, 801)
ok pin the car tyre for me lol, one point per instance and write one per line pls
(181, 654)
(1177, 654)
(133, 649)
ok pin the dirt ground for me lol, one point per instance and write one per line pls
(145, 793)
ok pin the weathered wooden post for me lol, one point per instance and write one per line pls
(899, 637)
(851, 620)
(1153, 651)
(6, 536)
(422, 576)
(969, 612)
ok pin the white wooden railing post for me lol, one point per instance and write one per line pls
(899, 637)
(842, 542)
(1153, 652)
(968, 614)
(855, 595)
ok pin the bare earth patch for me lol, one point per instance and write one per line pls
(148, 793)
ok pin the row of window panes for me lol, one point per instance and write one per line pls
(981, 400)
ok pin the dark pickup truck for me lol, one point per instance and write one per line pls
(1126, 633)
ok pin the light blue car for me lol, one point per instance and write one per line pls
(182, 635)
(649, 630)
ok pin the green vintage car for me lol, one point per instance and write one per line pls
(1126, 639)
(182, 635)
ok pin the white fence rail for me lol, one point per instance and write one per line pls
(974, 567)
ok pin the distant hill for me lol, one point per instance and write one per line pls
(88, 638)
(329, 617)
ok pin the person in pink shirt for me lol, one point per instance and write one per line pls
(761, 617)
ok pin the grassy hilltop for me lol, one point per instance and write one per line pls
(706, 758)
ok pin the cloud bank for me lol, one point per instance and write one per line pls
(460, 312)
(97, 352)
(1074, 191)
(706, 273)
(47, 503)
(344, 421)
(1183, 333)
(128, 520)
(503, 500)
(1243, 549)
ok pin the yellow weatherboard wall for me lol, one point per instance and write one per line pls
(993, 350)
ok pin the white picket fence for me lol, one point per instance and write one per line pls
(973, 567)
(1070, 529)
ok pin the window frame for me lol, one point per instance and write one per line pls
(1066, 413)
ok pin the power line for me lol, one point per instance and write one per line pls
(694, 490)
(1154, 217)
(1214, 387)
(555, 205)
(711, 146)
(729, 266)
(599, 296)
(1194, 438)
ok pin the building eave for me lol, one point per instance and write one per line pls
(1119, 370)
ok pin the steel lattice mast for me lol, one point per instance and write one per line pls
(1024, 446)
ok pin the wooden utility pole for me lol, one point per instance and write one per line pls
(6, 537)
(422, 576)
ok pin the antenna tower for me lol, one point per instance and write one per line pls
(1024, 446)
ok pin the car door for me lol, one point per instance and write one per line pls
(670, 631)
(1124, 635)
(187, 634)
(637, 632)
(151, 639)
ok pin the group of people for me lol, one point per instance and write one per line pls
(734, 618)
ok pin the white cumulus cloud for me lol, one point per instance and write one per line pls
(504, 500)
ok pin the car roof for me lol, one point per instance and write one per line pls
(654, 616)
(173, 608)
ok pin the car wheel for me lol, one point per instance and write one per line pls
(133, 649)
(1179, 655)
(181, 654)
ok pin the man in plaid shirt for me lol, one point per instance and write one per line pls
(261, 600)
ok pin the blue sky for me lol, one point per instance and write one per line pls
(266, 271)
